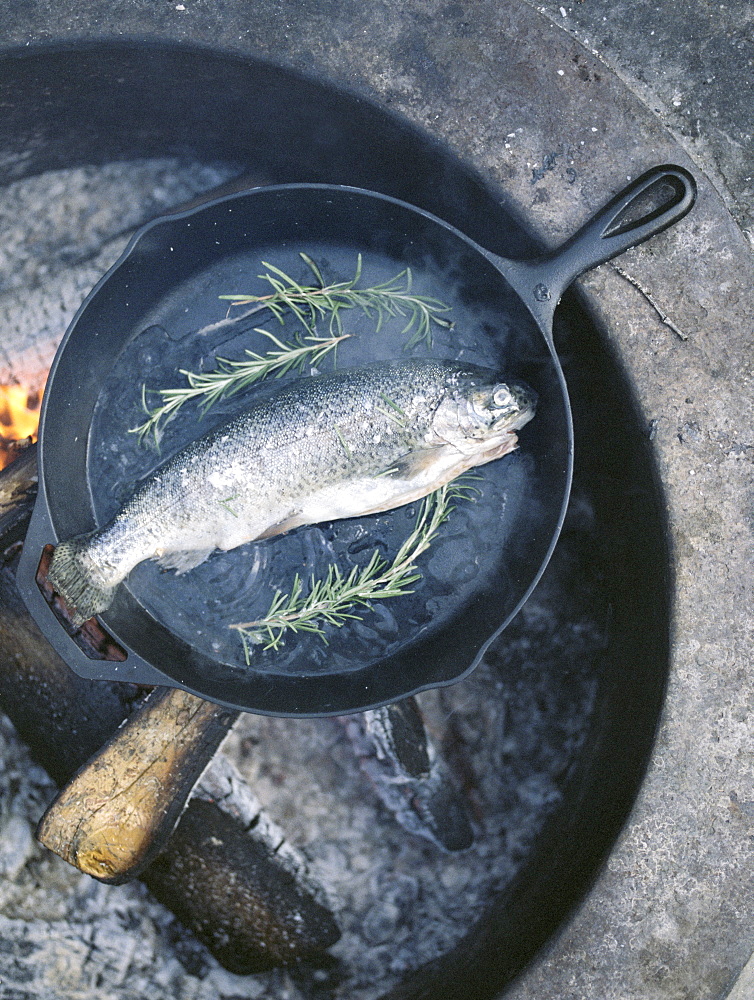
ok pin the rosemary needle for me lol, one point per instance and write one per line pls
(308, 303)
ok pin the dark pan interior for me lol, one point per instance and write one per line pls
(140, 327)
(68, 105)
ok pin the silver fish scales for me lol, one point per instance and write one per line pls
(345, 444)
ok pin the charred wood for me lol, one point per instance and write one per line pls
(408, 774)
(254, 898)
(18, 488)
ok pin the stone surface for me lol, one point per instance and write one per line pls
(691, 65)
(548, 122)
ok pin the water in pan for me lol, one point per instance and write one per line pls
(239, 585)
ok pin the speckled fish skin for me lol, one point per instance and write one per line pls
(344, 444)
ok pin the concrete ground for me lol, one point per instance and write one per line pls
(526, 93)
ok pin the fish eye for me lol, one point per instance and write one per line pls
(502, 396)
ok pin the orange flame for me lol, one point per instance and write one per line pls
(19, 419)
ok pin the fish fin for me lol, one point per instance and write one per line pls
(74, 578)
(294, 520)
(412, 465)
(182, 562)
(421, 472)
(502, 447)
(448, 461)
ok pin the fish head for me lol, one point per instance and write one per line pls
(480, 413)
(504, 407)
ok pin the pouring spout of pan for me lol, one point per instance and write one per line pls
(647, 206)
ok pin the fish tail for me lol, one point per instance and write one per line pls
(76, 580)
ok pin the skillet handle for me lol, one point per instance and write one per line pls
(647, 206)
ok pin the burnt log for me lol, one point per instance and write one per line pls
(116, 814)
(226, 886)
(408, 774)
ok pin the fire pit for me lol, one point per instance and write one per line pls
(573, 690)
(538, 739)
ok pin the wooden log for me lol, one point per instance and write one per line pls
(396, 753)
(18, 489)
(65, 719)
(117, 813)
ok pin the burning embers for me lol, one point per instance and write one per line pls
(19, 419)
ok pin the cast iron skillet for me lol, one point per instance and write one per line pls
(140, 324)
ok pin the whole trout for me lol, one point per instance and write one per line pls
(354, 442)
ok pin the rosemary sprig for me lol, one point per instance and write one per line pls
(308, 303)
(332, 598)
(231, 376)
